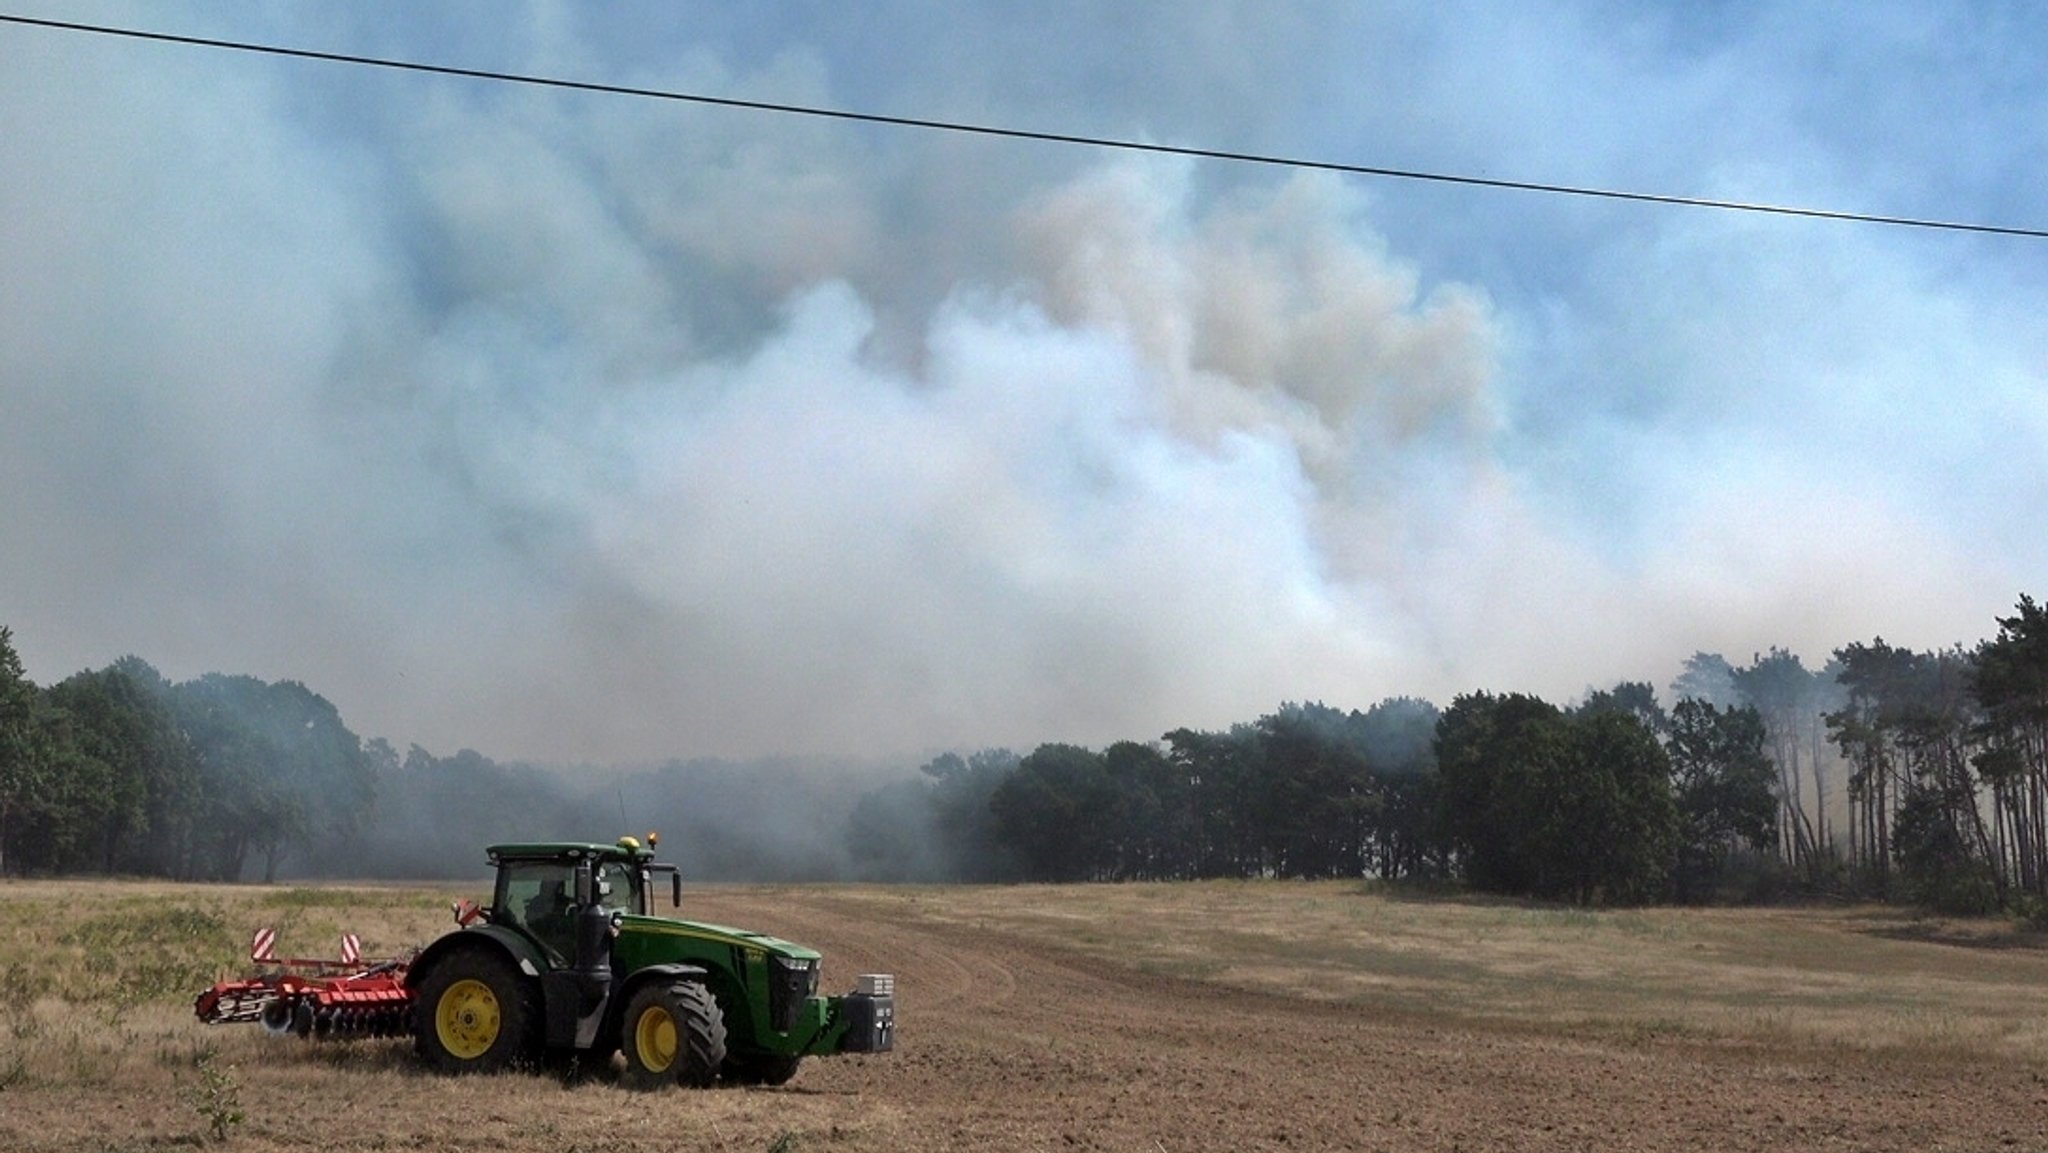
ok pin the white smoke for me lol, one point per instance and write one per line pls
(1090, 515)
(578, 428)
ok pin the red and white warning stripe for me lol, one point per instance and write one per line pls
(263, 945)
(351, 948)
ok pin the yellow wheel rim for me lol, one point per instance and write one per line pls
(654, 1037)
(466, 1019)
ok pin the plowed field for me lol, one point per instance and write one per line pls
(1040, 1019)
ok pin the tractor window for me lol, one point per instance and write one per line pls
(618, 887)
(537, 897)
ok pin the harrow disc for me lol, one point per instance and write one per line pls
(234, 1001)
(277, 1017)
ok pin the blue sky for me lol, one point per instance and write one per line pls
(572, 426)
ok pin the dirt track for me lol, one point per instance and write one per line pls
(1010, 1044)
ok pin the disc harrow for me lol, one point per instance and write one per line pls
(314, 997)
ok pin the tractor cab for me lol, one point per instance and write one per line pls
(542, 889)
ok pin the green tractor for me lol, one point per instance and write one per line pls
(569, 959)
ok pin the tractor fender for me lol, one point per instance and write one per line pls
(666, 974)
(513, 944)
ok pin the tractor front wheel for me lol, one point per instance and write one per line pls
(474, 1014)
(672, 1035)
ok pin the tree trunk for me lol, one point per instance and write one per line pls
(1823, 831)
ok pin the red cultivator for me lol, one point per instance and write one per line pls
(315, 998)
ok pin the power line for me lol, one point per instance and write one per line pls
(972, 129)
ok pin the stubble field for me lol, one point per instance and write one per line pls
(1141, 1017)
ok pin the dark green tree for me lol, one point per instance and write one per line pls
(20, 772)
(1320, 802)
(277, 769)
(1910, 729)
(167, 762)
(1055, 813)
(964, 828)
(1724, 787)
(1496, 757)
(1622, 833)
(1938, 863)
(1397, 739)
(1630, 699)
(1539, 803)
(123, 758)
(1223, 775)
(1151, 822)
(1882, 688)
(2010, 684)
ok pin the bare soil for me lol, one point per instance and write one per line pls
(1010, 1043)
(1013, 1041)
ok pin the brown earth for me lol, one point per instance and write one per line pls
(1009, 1042)
(1013, 1044)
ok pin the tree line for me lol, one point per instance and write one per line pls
(120, 771)
(222, 778)
(1614, 800)
(1886, 773)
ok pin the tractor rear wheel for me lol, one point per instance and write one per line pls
(474, 1014)
(672, 1035)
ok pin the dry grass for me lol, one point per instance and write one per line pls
(96, 983)
(1871, 978)
(97, 979)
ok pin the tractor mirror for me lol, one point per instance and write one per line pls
(675, 895)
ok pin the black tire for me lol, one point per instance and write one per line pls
(474, 1014)
(672, 1035)
(753, 1069)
